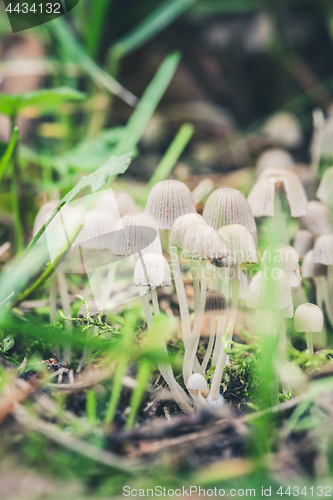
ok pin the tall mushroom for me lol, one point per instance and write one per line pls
(201, 242)
(309, 319)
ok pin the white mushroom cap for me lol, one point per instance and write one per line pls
(317, 219)
(284, 129)
(216, 304)
(325, 189)
(228, 206)
(323, 250)
(153, 271)
(167, 201)
(286, 258)
(303, 242)
(310, 269)
(308, 318)
(134, 232)
(242, 248)
(196, 382)
(180, 226)
(274, 156)
(262, 194)
(43, 214)
(203, 242)
(124, 201)
(97, 232)
(273, 293)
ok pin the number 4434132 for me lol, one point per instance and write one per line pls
(24, 8)
(312, 491)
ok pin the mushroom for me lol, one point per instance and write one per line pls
(201, 242)
(325, 189)
(318, 273)
(274, 156)
(309, 319)
(179, 227)
(196, 382)
(136, 233)
(323, 254)
(265, 198)
(228, 206)
(152, 270)
(286, 258)
(303, 242)
(167, 201)
(317, 219)
(125, 203)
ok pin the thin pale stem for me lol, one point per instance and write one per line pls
(204, 364)
(218, 373)
(191, 349)
(221, 322)
(177, 392)
(309, 341)
(180, 289)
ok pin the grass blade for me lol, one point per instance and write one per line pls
(91, 406)
(70, 45)
(172, 154)
(8, 153)
(98, 17)
(142, 380)
(138, 121)
(159, 19)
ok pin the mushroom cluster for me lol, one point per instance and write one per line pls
(213, 259)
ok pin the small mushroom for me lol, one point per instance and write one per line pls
(167, 201)
(317, 219)
(325, 189)
(228, 206)
(309, 319)
(196, 382)
(303, 242)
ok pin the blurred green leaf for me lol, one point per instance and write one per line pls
(91, 406)
(142, 380)
(98, 18)
(12, 104)
(172, 155)
(115, 165)
(8, 153)
(89, 154)
(68, 43)
(159, 19)
(138, 122)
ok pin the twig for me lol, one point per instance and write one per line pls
(73, 443)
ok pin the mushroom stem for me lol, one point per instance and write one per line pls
(309, 341)
(221, 322)
(329, 294)
(209, 347)
(180, 289)
(177, 392)
(191, 348)
(196, 393)
(196, 285)
(218, 373)
(234, 302)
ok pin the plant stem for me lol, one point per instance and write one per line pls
(180, 289)
(209, 347)
(177, 392)
(51, 267)
(221, 322)
(16, 193)
(220, 364)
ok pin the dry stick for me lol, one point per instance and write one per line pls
(166, 371)
(62, 438)
(209, 347)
